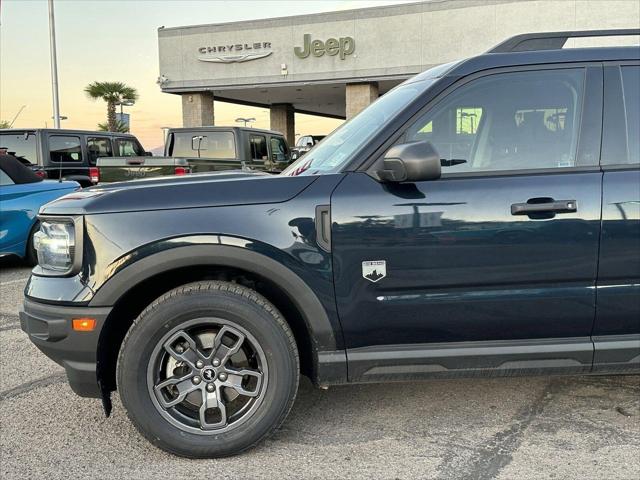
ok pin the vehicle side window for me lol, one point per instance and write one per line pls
(258, 148)
(20, 145)
(5, 179)
(98, 147)
(508, 121)
(63, 148)
(302, 141)
(279, 150)
(631, 90)
(128, 147)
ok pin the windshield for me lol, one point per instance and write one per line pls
(338, 148)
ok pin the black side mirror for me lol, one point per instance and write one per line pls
(411, 162)
(148, 154)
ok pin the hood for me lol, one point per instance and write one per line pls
(188, 191)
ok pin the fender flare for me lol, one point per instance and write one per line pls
(178, 255)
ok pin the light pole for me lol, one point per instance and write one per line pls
(125, 102)
(245, 120)
(54, 66)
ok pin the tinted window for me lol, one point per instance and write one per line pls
(279, 150)
(258, 148)
(217, 145)
(5, 179)
(20, 145)
(98, 147)
(510, 121)
(64, 148)
(128, 147)
(631, 89)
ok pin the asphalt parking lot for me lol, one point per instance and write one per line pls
(547, 427)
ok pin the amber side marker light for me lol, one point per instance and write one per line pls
(84, 324)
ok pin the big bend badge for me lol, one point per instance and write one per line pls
(374, 270)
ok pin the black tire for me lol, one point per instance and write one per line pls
(31, 256)
(239, 307)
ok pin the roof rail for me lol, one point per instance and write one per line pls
(553, 40)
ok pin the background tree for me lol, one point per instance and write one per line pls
(112, 93)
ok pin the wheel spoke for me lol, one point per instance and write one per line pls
(182, 384)
(235, 379)
(222, 352)
(212, 400)
(189, 355)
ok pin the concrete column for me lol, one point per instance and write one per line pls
(197, 109)
(283, 121)
(359, 96)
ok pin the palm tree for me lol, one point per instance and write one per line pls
(112, 93)
(121, 127)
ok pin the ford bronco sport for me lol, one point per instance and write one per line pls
(483, 218)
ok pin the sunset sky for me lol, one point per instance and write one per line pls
(105, 40)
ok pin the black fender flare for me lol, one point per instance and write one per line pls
(179, 255)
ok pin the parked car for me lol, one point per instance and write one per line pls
(304, 144)
(70, 153)
(411, 243)
(204, 149)
(22, 193)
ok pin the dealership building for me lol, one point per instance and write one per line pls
(335, 64)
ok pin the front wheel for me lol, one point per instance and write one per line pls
(208, 370)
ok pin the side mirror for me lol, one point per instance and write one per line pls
(148, 154)
(411, 162)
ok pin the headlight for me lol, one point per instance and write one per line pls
(58, 246)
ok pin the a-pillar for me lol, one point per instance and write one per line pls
(197, 109)
(283, 120)
(359, 96)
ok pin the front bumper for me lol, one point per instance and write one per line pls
(49, 328)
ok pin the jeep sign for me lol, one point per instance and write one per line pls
(343, 46)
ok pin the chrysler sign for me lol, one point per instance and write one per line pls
(238, 52)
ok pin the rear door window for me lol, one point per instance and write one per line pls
(631, 91)
(21, 145)
(620, 142)
(258, 148)
(128, 147)
(98, 147)
(65, 149)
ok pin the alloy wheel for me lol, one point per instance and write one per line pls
(207, 376)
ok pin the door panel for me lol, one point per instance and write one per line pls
(459, 265)
(503, 248)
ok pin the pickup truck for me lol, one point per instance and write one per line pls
(70, 154)
(410, 244)
(204, 149)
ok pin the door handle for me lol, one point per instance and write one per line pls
(544, 205)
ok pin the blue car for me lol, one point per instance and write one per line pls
(22, 193)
